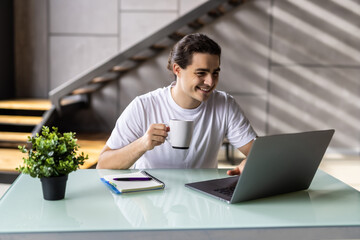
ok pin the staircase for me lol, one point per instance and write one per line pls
(118, 65)
(19, 119)
(22, 118)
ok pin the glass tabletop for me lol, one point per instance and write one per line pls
(90, 206)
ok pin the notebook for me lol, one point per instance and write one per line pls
(132, 182)
(276, 164)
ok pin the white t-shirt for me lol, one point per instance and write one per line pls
(218, 117)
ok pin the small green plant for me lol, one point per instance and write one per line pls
(51, 154)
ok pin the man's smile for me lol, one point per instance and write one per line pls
(205, 89)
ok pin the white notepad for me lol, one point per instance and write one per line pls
(130, 184)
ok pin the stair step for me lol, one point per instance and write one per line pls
(86, 90)
(144, 55)
(222, 9)
(139, 58)
(124, 67)
(158, 47)
(14, 136)
(82, 91)
(26, 104)
(102, 80)
(121, 69)
(217, 12)
(166, 42)
(176, 36)
(235, 2)
(20, 120)
(110, 76)
(206, 19)
(196, 24)
(185, 30)
(10, 159)
(230, 5)
(13, 139)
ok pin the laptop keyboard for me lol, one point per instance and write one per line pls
(228, 191)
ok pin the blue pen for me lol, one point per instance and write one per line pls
(129, 179)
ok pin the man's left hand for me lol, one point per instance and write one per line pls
(238, 169)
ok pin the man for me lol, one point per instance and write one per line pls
(138, 138)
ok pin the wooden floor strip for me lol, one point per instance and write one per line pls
(14, 136)
(26, 104)
(20, 120)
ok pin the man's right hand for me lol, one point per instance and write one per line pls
(155, 136)
(125, 157)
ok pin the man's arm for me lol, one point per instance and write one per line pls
(245, 150)
(125, 157)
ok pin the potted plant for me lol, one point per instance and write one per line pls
(51, 157)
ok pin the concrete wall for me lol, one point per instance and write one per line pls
(293, 65)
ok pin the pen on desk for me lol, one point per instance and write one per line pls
(129, 179)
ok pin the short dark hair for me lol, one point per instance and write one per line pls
(184, 49)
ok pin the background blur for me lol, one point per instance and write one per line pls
(292, 65)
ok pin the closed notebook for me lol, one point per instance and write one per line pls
(132, 182)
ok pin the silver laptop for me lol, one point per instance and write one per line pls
(276, 164)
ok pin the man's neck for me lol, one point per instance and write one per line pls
(182, 100)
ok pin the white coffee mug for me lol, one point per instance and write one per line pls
(180, 133)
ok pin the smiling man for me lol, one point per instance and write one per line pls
(139, 136)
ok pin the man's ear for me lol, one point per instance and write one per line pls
(176, 69)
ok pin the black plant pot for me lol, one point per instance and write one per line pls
(54, 187)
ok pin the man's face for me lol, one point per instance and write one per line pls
(196, 83)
